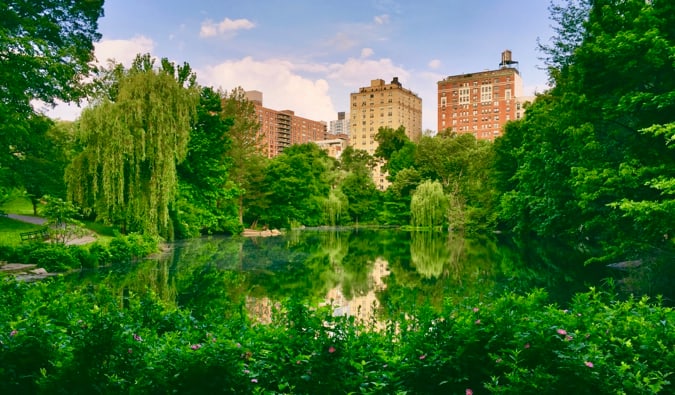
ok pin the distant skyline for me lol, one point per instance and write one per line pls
(308, 56)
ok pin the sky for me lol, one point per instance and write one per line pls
(309, 55)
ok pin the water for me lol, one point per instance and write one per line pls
(361, 272)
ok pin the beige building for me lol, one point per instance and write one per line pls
(481, 103)
(383, 105)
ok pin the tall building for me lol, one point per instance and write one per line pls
(481, 103)
(341, 125)
(280, 129)
(383, 105)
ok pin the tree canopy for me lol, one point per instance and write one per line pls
(594, 159)
(126, 173)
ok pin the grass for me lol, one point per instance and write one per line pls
(17, 205)
(10, 229)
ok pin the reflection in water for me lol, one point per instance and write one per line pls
(360, 272)
(364, 306)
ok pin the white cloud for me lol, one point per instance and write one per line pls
(366, 52)
(122, 51)
(434, 64)
(381, 19)
(282, 87)
(359, 72)
(226, 27)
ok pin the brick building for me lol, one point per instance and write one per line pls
(280, 129)
(481, 103)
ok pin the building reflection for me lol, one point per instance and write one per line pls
(362, 307)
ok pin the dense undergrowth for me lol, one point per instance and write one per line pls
(58, 339)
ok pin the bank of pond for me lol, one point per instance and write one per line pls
(349, 311)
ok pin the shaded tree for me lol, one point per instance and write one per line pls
(204, 199)
(45, 52)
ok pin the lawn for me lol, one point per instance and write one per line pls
(10, 229)
(17, 205)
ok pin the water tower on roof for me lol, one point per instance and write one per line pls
(507, 60)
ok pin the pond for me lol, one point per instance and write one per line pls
(359, 271)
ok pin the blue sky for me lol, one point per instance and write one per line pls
(308, 56)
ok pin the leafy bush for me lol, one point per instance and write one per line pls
(54, 339)
(54, 258)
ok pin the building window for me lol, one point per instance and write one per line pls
(486, 93)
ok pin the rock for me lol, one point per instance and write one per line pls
(39, 270)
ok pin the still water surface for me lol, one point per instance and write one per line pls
(359, 271)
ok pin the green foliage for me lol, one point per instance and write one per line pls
(429, 205)
(298, 182)
(513, 344)
(46, 50)
(204, 195)
(62, 219)
(390, 141)
(592, 160)
(133, 137)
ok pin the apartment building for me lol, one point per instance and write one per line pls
(339, 126)
(383, 105)
(482, 102)
(280, 129)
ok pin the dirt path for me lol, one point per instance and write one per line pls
(27, 218)
(89, 238)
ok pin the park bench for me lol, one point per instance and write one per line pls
(40, 234)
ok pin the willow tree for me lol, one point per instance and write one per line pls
(429, 205)
(132, 139)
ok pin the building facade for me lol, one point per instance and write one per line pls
(340, 125)
(280, 129)
(481, 103)
(383, 105)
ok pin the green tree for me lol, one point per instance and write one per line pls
(38, 164)
(245, 149)
(358, 186)
(389, 141)
(429, 205)
(298, 182)
(204, 204)
(595, 164)
(126, 173)
(45, 51)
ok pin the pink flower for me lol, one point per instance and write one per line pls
(138, 338)
(130, 351)
(246, 371)
(475, 309)
(589, 364)
(196, 346)
(477, 322)
(469, 391)
(331, 349)
(527, 345)
(422, 357)
(13, 333)
(298, 362)
(568, 338)
(561, 332)
(254, 381)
